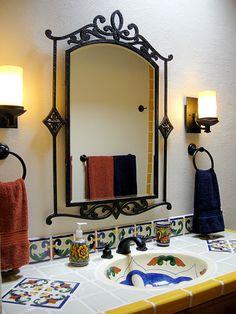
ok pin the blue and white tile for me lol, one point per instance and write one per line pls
(40, 249)
(106, 236)
(145, 230)
(177, 226)
(90, 238)
(61, 245)
(188, 224)
(126, 231)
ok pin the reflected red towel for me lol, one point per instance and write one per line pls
(100, 177)
(13, 225)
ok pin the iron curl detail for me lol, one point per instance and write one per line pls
(97, 211)
(98, 31)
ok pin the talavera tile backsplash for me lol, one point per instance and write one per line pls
(57, 246)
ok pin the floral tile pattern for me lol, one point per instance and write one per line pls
(221, 245)
(40, 250)
(40, 292)
(233, 245)
(145, 230)
(61, 245)
(126, 231)
(177, 226)
(188, 222)
(106, 236)
(57, 246)
(90, 238)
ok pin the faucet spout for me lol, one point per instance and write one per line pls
(124, 245)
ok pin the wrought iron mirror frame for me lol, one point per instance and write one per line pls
(130, 38)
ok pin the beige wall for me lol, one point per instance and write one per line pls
(201, 36)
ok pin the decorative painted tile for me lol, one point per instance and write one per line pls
(33, 284)
(145, 230)
(19, 296)
(106, 236)
(233, 245)
(41, 292)
(126, 231)
(219, 246)
(188, 223)
(90, 238)
(40, 250)
(61, 245)
(177, 226)
(50, 300)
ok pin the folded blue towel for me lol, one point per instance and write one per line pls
(207, 216)
(125, 181)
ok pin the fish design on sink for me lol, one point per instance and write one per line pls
(152, 279)
(153, 270)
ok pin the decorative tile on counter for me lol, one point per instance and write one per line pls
(40, 250)
(177, 226)
(126, 231)
(145, 230)
(188, 223)
(61, 245)
(219, 246)
(40, 292)
(106, 236)
(233, 245)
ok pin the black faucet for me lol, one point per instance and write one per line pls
(124, 245)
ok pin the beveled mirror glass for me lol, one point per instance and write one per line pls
(107, 85)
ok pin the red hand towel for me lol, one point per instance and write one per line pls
(100, 177)
(13, 225)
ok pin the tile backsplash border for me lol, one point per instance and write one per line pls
(57, 246)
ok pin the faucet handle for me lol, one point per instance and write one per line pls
(106, 253)
(143, 246)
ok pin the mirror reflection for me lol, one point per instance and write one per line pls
(106, 85)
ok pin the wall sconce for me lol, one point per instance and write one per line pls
(11, 95)
(200, 113)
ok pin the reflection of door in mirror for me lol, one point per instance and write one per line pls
(107, 85)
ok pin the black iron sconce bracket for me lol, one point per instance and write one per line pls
(9, 116)
(191, 109)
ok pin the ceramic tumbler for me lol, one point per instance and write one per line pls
(163, 233)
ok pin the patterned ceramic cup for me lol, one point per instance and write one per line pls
(163, 232)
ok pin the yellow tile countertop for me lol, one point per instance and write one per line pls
(93, 295)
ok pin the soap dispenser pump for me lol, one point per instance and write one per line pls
(79, 251)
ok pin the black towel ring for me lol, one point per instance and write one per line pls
(192, 150)
(4, 152)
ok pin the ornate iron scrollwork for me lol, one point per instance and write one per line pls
(101, 32)
(111, 32)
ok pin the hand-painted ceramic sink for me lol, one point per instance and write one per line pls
(154, 269)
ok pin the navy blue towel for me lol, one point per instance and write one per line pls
(125, 181)
(207, 216)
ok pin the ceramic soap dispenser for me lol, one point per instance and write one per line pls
(79, 251)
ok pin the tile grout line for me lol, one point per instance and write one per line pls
(222, 285)
(191, 296)
(154, 306)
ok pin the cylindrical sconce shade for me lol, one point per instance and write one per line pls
(207, 104)
(11, 85)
